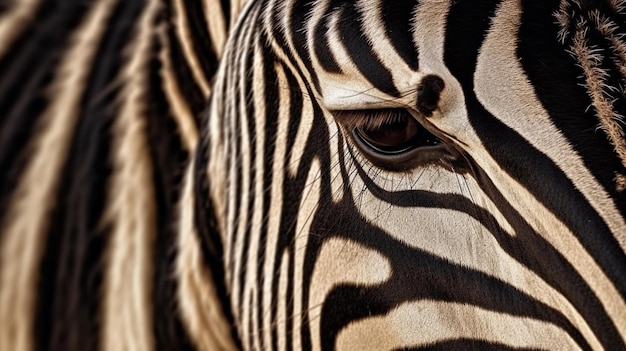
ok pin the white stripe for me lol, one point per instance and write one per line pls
(127, 313)
(281, 317)
(423, 323)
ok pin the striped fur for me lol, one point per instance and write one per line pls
(509, 235)
(100, 104)
(282, 233)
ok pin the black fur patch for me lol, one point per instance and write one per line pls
(428, 94)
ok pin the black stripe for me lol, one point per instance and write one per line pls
(169, 161)
(200, 40)
(397, 17)
(5, 5)
(467, 345)
(27, 69)
(558, 194)
(70, 289)
(226, 13)
(192, 94)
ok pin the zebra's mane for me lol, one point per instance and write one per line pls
(595, 35)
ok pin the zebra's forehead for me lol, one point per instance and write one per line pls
(368, 51)
(375, 54)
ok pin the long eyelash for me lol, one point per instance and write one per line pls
(372, 119)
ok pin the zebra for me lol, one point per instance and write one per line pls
(100, 103)
(369, 174)
(434, 174)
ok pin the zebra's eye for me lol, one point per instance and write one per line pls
(391, 138)
(393, 132)
(386, 131)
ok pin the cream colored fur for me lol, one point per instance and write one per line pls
(127, 312)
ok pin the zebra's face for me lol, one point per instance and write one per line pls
(430, 176)
(483, 113)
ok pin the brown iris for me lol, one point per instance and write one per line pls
(391, 135)
(387, 131)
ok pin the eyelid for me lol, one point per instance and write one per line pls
(371, 119)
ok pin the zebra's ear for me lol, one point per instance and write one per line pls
(428, 93)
